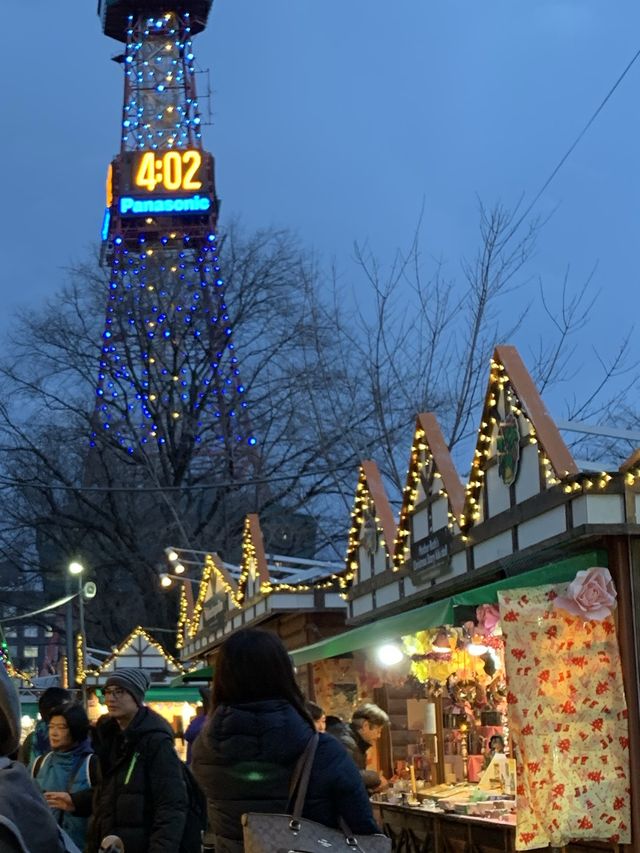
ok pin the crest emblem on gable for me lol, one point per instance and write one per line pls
(508, 447)
(369, 533)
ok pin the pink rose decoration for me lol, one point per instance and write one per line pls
(591, 595)
(488, 617)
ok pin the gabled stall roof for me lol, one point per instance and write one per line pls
(508, 368)
(427, 440)
(369, 490)
(253, 555)
(136, 645)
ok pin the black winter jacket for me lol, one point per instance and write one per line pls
(357, 747)
(244, 758)
(141, 796)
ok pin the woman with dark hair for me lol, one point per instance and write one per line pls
(246, 754)
(68, 769)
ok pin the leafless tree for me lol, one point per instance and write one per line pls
(326, 385)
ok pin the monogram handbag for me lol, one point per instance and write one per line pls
(291, 833)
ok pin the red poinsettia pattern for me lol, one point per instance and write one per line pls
(568, 720)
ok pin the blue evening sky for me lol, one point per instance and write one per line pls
(340, 119)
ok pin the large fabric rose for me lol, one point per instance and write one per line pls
(591, 595)
(488, 617)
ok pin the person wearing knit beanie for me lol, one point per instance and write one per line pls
(134, 681)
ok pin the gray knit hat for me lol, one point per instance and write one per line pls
(134, 681)
(9, 715)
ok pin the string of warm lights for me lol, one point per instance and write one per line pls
(500, 399)
(420, 467)
(80, 661)
(363, 509)
(138, 632)
(183, 617)
(211, 570)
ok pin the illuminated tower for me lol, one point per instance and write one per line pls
(169, 375)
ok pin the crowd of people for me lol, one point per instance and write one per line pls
(120, 787)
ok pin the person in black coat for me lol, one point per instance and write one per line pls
(358, 736)
(246, 753)
(141, 797)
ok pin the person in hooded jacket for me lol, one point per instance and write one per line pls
(26, 823)
(246, 753)
(69, 769)
(141, 796)
(36, 742)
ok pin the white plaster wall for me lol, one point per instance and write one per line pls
(364, 567)
(409, 586)
(380, 559)
(546, 525)
(495, 548)
(420, 525)
(528, 482)
(362, 605)
(605, 509)
(333, 599)
(440, 513)
(290, 601)
(458, 564)
(387, 594)
(498, 493)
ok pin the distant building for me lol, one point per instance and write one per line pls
(27, 640)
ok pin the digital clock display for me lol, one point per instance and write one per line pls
(167, 171)
(177, 181)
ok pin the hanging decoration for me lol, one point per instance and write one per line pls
(568, 715)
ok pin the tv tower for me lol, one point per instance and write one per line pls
(168, 374)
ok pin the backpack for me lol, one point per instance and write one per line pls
(196, 823)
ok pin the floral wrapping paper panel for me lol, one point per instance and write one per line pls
(568, 721)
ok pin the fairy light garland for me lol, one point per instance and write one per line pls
(500, 390)
(363, 503)
(421, 458)
(138, 632)
(210, 569)
(80, 667)
(183, 617)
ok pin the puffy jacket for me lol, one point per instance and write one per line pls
(357, 747)
(23, 808)
(66, 771)
(244, 758)
(193, 730)
(141, 795)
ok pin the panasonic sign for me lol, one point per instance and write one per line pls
(129, 206)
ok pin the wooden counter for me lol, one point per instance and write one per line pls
(414, 830)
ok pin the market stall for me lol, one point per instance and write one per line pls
(177, 704)
(469, 590)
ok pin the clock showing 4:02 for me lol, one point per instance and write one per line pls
(165, 173)
(170, 171)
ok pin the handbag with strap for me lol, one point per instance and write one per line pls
(291, 833)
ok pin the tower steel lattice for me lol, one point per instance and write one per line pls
(169, 373)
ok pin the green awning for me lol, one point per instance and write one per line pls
(437, 613)
(441, 612)
(560, 572)
(203, 675)
(172, 694)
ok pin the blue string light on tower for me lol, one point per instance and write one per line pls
(168, 371)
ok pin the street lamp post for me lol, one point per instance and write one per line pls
(69, 632)
(77, 569)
